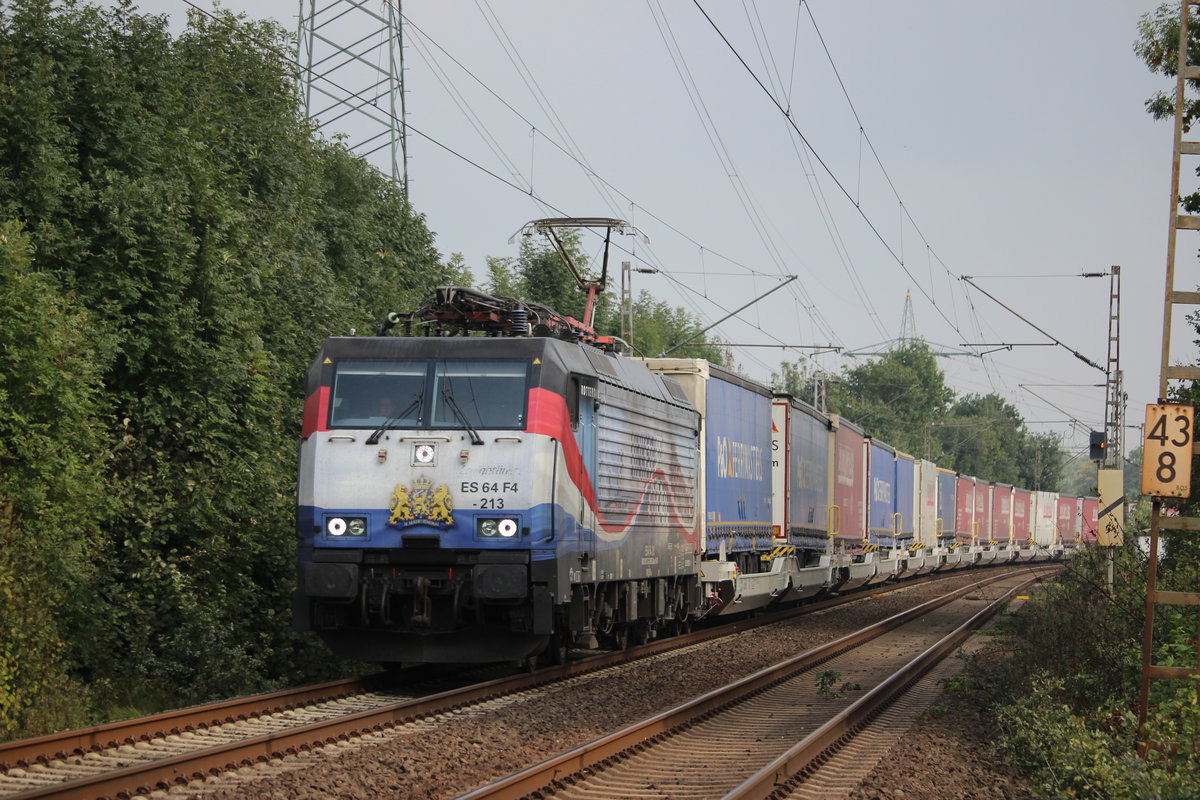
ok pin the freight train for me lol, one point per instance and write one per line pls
(527, 489)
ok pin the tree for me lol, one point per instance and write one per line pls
(172, 187)
(792, 378)
(984, 435)
(53, 497)
(657, 327)
(539, 275)
(895, 397)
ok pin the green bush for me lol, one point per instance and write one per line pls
(188, 244)
(1062, 677)
(52, 490)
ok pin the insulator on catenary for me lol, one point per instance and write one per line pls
(519, 319)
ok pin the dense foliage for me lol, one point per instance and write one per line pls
(1062, 676)
(174, 244)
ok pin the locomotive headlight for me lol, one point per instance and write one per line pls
(502, 528)
(346, 527)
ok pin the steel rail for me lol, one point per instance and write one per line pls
(774, 779)
(42, 749)
(24, 752)
(574, 761)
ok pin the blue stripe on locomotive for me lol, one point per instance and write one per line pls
(738, 463)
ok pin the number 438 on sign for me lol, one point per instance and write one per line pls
(1167, 451)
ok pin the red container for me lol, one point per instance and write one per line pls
(1065, 520)
(848, 476)
(1022, 516)
(983, 511)
(1091, 521)
(1002, 513)
(964, 509)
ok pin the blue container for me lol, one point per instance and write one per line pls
(881, 495)
(946, 487)
(808, 477)
(737, 446)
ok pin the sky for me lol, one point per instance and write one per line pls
(875, 150)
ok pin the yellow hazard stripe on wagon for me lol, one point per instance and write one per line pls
(779, 552)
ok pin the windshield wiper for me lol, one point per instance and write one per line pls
(458, 412)
(418, 403)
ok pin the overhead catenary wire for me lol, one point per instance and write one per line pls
(754, 214)
(525, 190)
(828, 170)
(537, 197)
(574, 155)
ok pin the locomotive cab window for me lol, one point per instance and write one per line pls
(367, 394)
(426, 393)
(488, 394)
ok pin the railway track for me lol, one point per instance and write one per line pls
(137, 756)
(767, 734)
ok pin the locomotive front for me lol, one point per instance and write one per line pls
(425, 508)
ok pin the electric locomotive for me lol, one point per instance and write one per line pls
(484, 498)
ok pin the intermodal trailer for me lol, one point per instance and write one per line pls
(983, 512)
(1091, 521)
(847, 480)
(800, 443)
(735, 441)
(925, 499)
(1022, 517)
(1002, 514)
(947, 487)
(964, 510)
(881, 487)
(1045, 531)
(906, 506)
(1067, 520)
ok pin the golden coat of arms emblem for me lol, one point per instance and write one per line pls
(422, 504)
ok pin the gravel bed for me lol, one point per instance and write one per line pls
(945, 756)
(450, 755)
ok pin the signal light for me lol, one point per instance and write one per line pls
(1097, 444)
